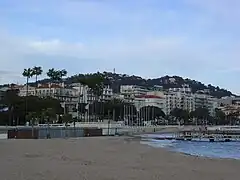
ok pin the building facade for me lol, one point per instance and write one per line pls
(184, 89)
(206, 101)
(149, 100)
(179, 100)
(131, 91)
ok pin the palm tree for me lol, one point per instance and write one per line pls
(56, 75)
(53, 76)
(62, 73)
(37, 71)
(27, 73)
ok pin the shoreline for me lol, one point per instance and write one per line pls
(172, 149)
(173, 152)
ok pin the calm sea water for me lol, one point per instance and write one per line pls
(205, 149)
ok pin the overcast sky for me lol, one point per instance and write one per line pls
(198, 39)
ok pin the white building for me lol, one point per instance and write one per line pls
(149, 100)
(24, 91)
(179, 100)
(212, 105)
(59, 91)
(86, 96)
(131, 91)
(66, 95)
(207, 101)
(184, 89)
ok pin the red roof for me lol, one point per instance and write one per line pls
(149, 96)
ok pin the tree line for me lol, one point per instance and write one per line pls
(202, 115)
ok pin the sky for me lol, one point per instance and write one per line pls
(197, 39)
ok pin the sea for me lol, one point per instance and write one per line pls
(230, 150)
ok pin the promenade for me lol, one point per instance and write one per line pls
(112, 128)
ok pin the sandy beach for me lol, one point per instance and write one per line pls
(105, 158)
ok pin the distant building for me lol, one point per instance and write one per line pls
(179, 100)
(206, 101)
(149, 100)
(88, 97)
(185, 89)
(24, 91)
(230, 109)
(157, 88)
(131, 91)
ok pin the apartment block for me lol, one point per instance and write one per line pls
(131, 91)
(179, 100)
(86, 96)
(207, 101)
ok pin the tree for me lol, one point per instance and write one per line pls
(52, 74)
(158, 112)
(66, 118)
(61, 73)
(151, 112)
(115, 108)
(11, 100)
(176, 113)
(180, 114)
(201, 114)
(36, 71)
(232, 117)
(55, 76)
(27, 73)
(185, 116)
(38, 109)
(220, 117)
(81, 105)
(95, 84)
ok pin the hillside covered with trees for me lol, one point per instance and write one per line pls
(116, 80)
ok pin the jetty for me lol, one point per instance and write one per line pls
(205, 134)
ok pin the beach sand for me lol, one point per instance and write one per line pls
(105, 158)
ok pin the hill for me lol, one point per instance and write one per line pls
(115, 80)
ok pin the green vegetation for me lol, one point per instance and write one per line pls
(39, 109)
(202, 116)
(116, 80)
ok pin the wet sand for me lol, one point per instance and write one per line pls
(105, 158)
